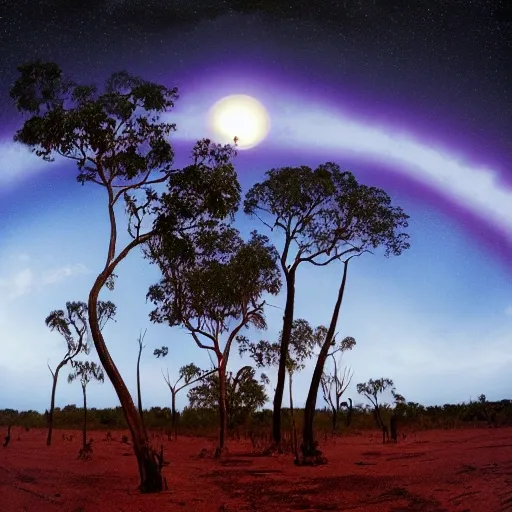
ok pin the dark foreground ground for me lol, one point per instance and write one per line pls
(433, 471)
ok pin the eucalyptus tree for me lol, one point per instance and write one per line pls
(371, 390)
(213, 285)
(72, 326)
(335, 384)
(325, 216)
(119, 143)
(85, 372)
(244, 394)
(187, 375)
(303, 341)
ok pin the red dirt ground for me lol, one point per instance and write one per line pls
(434, 471)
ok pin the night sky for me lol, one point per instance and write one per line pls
(412, 96)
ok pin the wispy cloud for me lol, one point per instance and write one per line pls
(508, 311)
(17, 162)
(58, 274)
(21, 282)
(17, 284)
(477, 188)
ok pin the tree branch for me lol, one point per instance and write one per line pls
(51, 371)
(197, 379)
(198, 341)
(144, 182)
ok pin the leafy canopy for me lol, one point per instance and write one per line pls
(211, 278)
(325, 214)
(243, 392)
(85, 372)
(113, 136)
(118, 141)
(73, 325)
(187, 375)
(303, 341)
(373, 388)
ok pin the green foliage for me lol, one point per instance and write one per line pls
(161, 352)
(188, 375)
(244, 394)
(216, 279)
(373, 388)
(41, 84)
(77, 122)
(85, 371)
(399, 399)
(411, 416)
(326, 213)
(73, 325)
(200, 194)
(110, 283)
(347, 343)
(190, 372)
(303, 341)
(76, 319)
(118, 141)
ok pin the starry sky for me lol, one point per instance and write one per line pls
(414, 96)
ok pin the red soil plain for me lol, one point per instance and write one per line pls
(467, 470)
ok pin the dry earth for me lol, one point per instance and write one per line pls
(435, 471)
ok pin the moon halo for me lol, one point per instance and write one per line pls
(240, 116)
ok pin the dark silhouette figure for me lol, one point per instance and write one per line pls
(7, 437)
(392, 427)
(349, 414)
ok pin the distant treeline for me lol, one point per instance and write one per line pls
(204, 422)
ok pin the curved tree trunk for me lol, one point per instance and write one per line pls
(223, 416)
(84, 433)
(52, 404)
(285, 343)
(309, 448)
(149, 470)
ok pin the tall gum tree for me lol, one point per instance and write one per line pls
(72, 326)
(214, 286)
(119, 143)
(368, 221)
(325, 215)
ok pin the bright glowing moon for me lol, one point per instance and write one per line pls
(239, 116)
